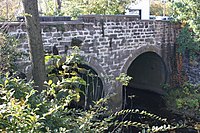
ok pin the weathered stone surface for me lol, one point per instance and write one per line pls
(192, 69)
(112, 42)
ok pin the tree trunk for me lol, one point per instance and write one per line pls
(59, 4)
(35, 43)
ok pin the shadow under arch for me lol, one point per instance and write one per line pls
(96, 87)
(149, 73)
(138, 52)
(93, 90)
(94, 64)
(147, 68)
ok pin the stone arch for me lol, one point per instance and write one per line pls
(94, 90)
(94, 64)
(149, 72)
(158, 76)
(138, 52)
(118, 99)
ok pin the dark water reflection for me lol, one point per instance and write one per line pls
(153, 103)
(144, 100)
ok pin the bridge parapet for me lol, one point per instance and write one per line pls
(108, 18)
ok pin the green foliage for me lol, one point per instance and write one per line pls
(49, 8)
(157, 8)
(184, 100)
(8, 53)
(16, 114)
(11, 83)
(77, 75)
(72, 8)
(187, 11)
(75, 8)
(124, 79)
(27, 111)
(23, 110)
(146, 127)
(187, 42)
(8, 9)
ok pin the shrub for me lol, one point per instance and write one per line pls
(9, 53)
(16, 113)
(184, 100)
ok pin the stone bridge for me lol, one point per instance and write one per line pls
(112, 45)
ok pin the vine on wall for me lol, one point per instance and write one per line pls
(187, 43)
(178, 76)
(186, 52)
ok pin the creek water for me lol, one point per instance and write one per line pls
(153, 103)
(144, 100)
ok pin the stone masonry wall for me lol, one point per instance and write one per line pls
(192, 69)
(109, 42)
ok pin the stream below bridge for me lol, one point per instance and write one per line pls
(151, 102)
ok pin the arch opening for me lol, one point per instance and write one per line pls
(148, 71)
(82, 78)
(143, 92)
(93, 90)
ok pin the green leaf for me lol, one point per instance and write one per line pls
(50, 82)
